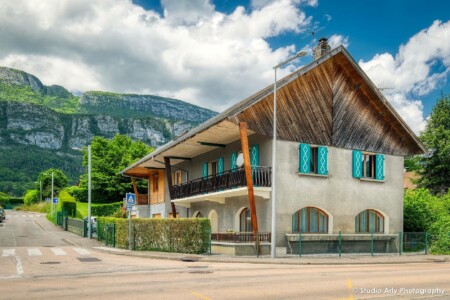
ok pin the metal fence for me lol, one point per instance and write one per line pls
(368, 244)
(76, 226)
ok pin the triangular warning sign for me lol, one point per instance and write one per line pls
(130, 198)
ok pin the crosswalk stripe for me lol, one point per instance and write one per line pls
(82, 251)
(34, 252)
(58, 251)
(9, 252)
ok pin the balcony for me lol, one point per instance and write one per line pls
(228, 180)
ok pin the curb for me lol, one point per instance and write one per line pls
(287, 261)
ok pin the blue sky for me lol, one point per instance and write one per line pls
(371, 27)
(215, 53)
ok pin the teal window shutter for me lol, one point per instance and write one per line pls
(220, 165)
(304, 158)
(205, 169)
(254, 155)
(379, 167)
(357, 163)
(233, 159)
(322, 160)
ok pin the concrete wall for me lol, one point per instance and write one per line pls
(340, 195)
(226, 212)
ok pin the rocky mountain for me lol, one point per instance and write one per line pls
(51, 121)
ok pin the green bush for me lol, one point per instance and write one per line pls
(167, 235)
(70, 207)
(440, 234)
(31, 196)
(104, 210)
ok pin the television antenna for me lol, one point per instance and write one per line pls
(312, 34)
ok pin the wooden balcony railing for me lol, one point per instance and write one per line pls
(240, 237)
(227, 180)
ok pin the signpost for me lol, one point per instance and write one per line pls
(130, 200)
(55, 200)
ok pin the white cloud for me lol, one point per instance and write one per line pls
(192, 52)
(410, 73)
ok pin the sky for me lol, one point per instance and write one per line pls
(214, 53)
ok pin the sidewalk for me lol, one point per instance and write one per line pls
(79, 241)
(66, 236)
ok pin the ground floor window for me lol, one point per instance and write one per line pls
(310, 220)
(198, 215)
(245, 221)
(369, 221)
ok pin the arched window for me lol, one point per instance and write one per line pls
(198, 215)
(369, 221)
(310, 220)
(245, 221)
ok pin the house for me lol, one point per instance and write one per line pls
(339, 162)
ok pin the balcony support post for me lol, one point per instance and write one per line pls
(133, 180)
(248, 175)
(169, 183)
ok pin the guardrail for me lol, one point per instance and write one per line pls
(227, 180)
(240, 237)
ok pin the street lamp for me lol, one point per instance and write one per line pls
(89, 192)
(274, 141)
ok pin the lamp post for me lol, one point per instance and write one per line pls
(89, 193)
(274, 141)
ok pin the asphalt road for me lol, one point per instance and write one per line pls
(37, 263)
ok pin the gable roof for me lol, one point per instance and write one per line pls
(331, 101)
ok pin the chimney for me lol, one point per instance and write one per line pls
(321, 49)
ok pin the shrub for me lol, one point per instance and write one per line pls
(104, 210)
(167, 235)
(31, 196)
(70, 207)
(440, 234)
(120, 213)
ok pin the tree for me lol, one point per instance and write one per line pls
(59, 182)
(109, 157)
(419, 210)
(436, 137)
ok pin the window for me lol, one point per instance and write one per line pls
(155, 182)
(313, 159)
(368, 165)
(310, 220)
(369, 221)
(198, 215)
(177, 177)
(213, 168)
(245, 221)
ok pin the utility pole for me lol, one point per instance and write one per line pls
(89, 193)
(40, 184)
(52, 196)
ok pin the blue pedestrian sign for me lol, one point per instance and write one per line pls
(55, 200)
(47, 199)
(130, 199)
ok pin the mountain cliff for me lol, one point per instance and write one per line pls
(50, 121)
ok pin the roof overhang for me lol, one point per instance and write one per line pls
(186, 147)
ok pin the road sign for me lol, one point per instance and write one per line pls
(55, 200)
(47, 199)
(129, 207)
(131, 198)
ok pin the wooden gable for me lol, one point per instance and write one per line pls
(332, 102)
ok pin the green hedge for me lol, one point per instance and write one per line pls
(166, 235)
(10, 202)
(103, 210)
(70, 207)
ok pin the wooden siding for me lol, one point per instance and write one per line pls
(333, 105)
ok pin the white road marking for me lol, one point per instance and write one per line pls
(34, 252)
(19, 268)
(9, 252)
(58, 251)
(82, 251)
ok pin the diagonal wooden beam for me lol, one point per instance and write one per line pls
(169, 183)
(248, 175)
(135, 188)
